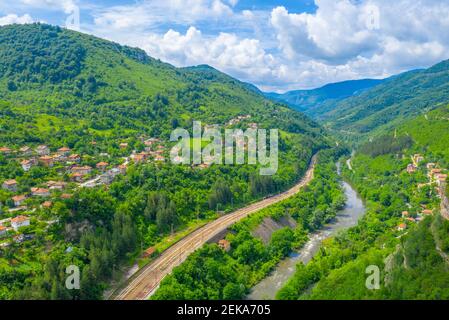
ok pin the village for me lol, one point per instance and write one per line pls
(23, 206)
(437, 178)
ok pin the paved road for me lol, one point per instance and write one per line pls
(147, 280)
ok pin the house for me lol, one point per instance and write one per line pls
(26, 151)
(405, 214)
(122, 168)
(26, 165)
(149, 252)
(159, 158)
(18, 200)
(77, 177)
(64, 151)
(109, 176)
(427, 212)
(417, 158)
(10, 185)
(5, 150)
(411, 168)
(102, 166)
(123, 145)
(40, 192)
(74, 158)
(19, 221)
(83, 170)
(56, 185)
(66, 196)
(47, 204)
(224, 244)
(402, 227)
(441, 179)
(138, 158)
(2, 230)
(59, 158)
(410, 219)
(47, 161)
(43, 150)
(431, 165)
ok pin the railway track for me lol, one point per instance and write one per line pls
(148, 279)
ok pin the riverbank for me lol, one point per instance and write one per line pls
(346, 218)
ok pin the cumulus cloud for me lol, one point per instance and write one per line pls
(15, 19)
(226, 51)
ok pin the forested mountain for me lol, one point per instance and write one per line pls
(310, 100)
(78, 111)
(385, 106)
(46, 70)
(406, 228)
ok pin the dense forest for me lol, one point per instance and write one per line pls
(213, 273)
(412, 261)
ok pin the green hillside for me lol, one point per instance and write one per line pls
(384, 107)
(100, 85)
(413, 262)
(107, 104)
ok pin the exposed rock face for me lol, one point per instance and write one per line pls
(269, 225)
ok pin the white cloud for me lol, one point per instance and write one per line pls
(226, 51)
(15, 19)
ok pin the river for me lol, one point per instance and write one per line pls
(346, 218)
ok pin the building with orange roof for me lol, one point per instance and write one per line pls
(43, 150)
(102, 165)
(47, 204)
(85, 170)
(18, 200)
(224, 244)
(65, 151)
(427, 212)
(10, 185)
(40, 192)
(74, 158)
(5, 150)
(402, 227)
(47, 161)
(20, 221)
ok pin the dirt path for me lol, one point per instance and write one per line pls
(147, 280)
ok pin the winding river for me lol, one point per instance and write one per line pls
(346, 218)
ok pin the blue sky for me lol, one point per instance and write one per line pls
(277, 45)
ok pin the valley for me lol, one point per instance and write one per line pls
(86, 180)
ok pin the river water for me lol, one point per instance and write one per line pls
(346, 218)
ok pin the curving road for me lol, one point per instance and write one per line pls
(147, 280)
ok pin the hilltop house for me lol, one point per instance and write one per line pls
(405, 214)
(122, 168)
(78, 177)
(40, 192)
(64, 151)
(10, 185)
(430, 165)
(20, 221)
(2, 231)
(26, 164)
(56, 185)
(83, 170)
(18, 200)
(46, 161)
(26, 151)
(123, 145)
(5, 150)
(47, 204)
(411, 168)
(417, 158)
(43, 150)
(427, 212)
(74, 158)
(402, 227)
(102, 166)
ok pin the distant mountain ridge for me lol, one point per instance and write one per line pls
(307, 100)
